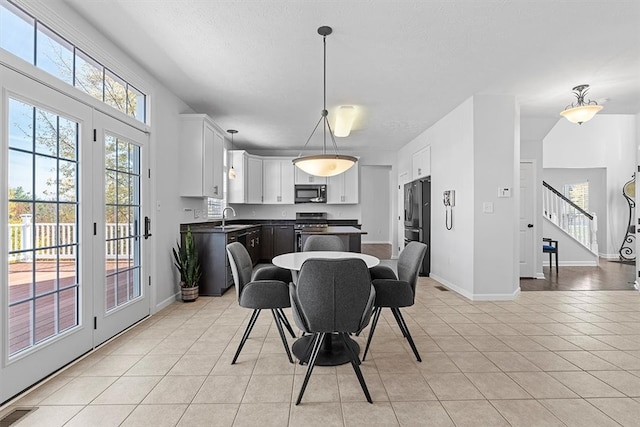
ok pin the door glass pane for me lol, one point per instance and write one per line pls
(122, 228)
(43, 235)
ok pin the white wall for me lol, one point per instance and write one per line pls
(496, 240)
(607, 141)
(376, 191)
(474, 150)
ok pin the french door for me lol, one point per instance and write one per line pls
(120, 253)
(53, 303)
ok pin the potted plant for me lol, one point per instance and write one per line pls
(186, 260)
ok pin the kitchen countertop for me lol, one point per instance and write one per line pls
(333, 229)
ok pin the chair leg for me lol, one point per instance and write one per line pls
(376, 316)
(403, 325)
(556, 262)
(276, 319)
(285, 322)
(400, 324)
(317, 342)
(247, 331)
(355, 362)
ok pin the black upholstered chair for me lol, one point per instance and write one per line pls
(272, 272)
(396, 292)
(318, 242)
(257, 295)
(332, 296)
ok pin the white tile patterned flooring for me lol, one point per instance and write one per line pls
(546, 359)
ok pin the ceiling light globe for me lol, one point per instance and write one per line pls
(325, 164)
(581, 114)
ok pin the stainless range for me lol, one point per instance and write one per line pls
(308, 221)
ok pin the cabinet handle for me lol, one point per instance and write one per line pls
(252, 242)
(419, 171)
(279, 198)
(215, 190)
(257, 240)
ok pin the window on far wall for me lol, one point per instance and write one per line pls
(578, 194)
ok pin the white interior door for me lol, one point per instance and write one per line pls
(45, 184)
(527, 244)
(121, 227)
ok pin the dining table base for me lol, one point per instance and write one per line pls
(333, 351)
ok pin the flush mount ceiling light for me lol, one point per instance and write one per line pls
(324, 164)
(232, 171)
(345, 116)
(581, 111)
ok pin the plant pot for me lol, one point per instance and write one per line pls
(190, 294)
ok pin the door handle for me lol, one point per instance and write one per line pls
(529, 225)
(147, 227)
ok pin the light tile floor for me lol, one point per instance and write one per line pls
(547, 358)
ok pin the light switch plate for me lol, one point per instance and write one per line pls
(504, 192)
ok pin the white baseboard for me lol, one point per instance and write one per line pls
(375, 243)
(167, 302)
(475, 297)
(573, 264)
(539, 275)
(609, 256)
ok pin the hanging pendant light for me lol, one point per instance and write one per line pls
(324, 164)
(232, 171)
(581, 111)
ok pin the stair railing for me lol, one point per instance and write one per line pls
(575, 221)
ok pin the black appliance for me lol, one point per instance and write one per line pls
(417, 217)
(311, 193)
(308, 221)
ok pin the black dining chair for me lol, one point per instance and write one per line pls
(396, 292)
(318, 242)
(257, 295)
(332, 296)
(273, 272)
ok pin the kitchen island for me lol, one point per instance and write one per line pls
(351, 236)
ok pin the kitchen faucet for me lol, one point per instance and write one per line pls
(224, 210)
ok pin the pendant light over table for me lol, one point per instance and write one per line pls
(232, 171)
(324, 164)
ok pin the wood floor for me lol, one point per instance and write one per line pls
(610, 275)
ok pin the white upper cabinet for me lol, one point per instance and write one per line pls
(301, 177)
(421, 162)
(247, 186)
(201, 151)
(254, 179)
(277, 183)
(343, 188)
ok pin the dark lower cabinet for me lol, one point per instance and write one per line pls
(214, 262)
(276, 240)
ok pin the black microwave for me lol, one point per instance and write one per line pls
(311, 193)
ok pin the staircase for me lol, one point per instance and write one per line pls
(573, 220)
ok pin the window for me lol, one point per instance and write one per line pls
(43, 225)
(63, 60)
(578, 194)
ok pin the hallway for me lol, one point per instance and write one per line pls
(610, 275)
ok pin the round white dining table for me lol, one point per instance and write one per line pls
(333, 351)
(293, 261)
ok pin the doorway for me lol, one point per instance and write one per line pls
(55, 258)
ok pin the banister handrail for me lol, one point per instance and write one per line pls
(562, 196)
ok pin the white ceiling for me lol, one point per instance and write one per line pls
(256, 66)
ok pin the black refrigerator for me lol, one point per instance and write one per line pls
(417, 217)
